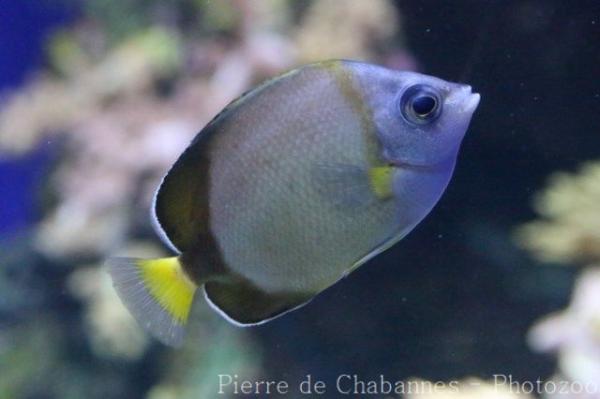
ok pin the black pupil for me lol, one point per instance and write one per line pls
(423, 105)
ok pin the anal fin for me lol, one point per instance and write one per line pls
(244, 304)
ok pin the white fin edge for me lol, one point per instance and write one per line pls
(156, 224)
(236, 323)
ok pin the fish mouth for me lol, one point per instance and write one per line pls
(466, 98)
(472, 102)
(433, 167)
(440, 165)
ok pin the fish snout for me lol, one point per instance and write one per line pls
(463, 97)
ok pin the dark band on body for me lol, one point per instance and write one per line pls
(183, 201)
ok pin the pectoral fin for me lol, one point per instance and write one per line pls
(351, 186)
(346, 186)
(243, 304)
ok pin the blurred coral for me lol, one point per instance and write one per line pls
(112, 330)
(49, 105)
(354, 28)
(570, 233)
(28, 351)
(574, 334)
(127, 87)
(570, 227)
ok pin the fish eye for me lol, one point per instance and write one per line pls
(420, 104)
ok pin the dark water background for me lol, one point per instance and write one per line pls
(456, 297)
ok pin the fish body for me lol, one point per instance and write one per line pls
(294, 185)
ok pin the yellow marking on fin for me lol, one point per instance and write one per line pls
(169, 286)
(380, 178)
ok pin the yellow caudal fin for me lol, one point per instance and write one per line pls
(158, 294)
